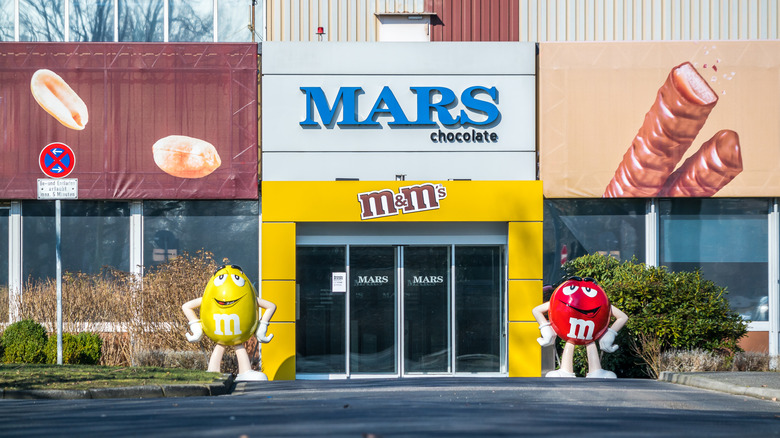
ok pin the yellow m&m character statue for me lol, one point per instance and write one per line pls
(230, 315)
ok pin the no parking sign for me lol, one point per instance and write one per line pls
(57, 160)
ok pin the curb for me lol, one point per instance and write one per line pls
(222, 386)
(702, 382)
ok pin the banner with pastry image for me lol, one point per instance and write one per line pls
(659, 119)
(144, 120)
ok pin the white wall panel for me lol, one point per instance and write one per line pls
(465, 58)
(302, 139)
(648, 20)
(384, 166)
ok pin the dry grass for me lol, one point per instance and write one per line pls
(139, 325)
(700, 360)
(697, 360)
(3, 304)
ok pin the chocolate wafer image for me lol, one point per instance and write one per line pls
(713, 166)
(681, 108)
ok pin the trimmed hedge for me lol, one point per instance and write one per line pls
(24, 342)
(670, 310)
(80, 349)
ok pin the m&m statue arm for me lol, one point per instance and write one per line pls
(548, 334)
(195, 325)
(607, 342)
(262, 329)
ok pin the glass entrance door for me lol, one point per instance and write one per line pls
(407, 310)
(426, 309)
(372, 310)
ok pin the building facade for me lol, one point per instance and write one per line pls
(351, 123)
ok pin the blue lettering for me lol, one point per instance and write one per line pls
(346, 102)
(391, 107)
(480, 106)
(316, 96)
(425, 107)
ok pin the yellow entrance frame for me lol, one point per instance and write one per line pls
(519, 204)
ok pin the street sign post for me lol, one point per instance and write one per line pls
(57, 161)
(53, 189)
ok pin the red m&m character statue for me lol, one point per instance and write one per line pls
(580, 312)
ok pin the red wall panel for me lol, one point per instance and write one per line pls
(474, 20)
(136, 94)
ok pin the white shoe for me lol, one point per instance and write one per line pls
(251, 376)
(560, 373)
(601, 374)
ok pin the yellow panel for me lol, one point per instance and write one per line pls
(524, 295)
(281, 293)
(278, 242)
(278, 356)
(465, 201)
(524, 353)
(525, 250)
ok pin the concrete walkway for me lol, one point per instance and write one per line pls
(763, 385)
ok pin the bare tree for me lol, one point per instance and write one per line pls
(41, 20)
(141, 20)
(191, 20)
(91, 20)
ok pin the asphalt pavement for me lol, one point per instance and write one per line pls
(416, 407)
(762, 385)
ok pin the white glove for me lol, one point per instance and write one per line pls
(548, 335)
(197, 331)
(261, 333)
(607, 342)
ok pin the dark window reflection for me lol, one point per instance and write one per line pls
(576, 227)
(3, 247)
(141, 20)
(228, 229)
(727, 240)
(426, 309)
(321, 317)
(94, 234)
(41, 20)
(91, 20)
(478, 297)
(372, 309)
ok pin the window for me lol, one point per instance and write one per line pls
(41, 20)
(573, 228)
(320, 330)
(129, 20)
(141, 20)
(234, 20)
(228, 229)
(404, 310)
(191, 20)
(727, 240)
(4, 266)
(7, 20)
(94, 234)
(479, 280)
(91, 20)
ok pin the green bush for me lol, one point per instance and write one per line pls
(666, 311)
(24, 342)
(80, 349)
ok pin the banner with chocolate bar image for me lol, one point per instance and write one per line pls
(144, 120)
(659, 119)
